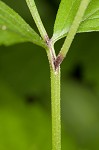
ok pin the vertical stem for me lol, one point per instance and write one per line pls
(55, 104)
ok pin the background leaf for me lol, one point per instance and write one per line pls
(13, 29)
(80, 113)
(25, 126)
(66, 14)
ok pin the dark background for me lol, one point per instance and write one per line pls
(25, 116)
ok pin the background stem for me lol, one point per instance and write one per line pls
(55, 104)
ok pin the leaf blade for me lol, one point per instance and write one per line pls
(65, 16)
(13, 29)
(90, 21)
(63, 23)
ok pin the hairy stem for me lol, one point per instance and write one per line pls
(74, 27)
(55, 104)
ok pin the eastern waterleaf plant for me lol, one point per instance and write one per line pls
(73, 16)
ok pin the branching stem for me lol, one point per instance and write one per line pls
(74, 27)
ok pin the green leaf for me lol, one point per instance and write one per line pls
(66, 14)
(90, 21)
(65, 17)
(13, 29)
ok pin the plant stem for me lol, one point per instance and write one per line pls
(74, 27)
(34, 12)
(55, 104)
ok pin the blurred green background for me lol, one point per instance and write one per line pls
(25, 115)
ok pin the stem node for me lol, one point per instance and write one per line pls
(58, 61)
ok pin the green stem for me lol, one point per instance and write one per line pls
(72, 32)
(55, 104)
(33, 9)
